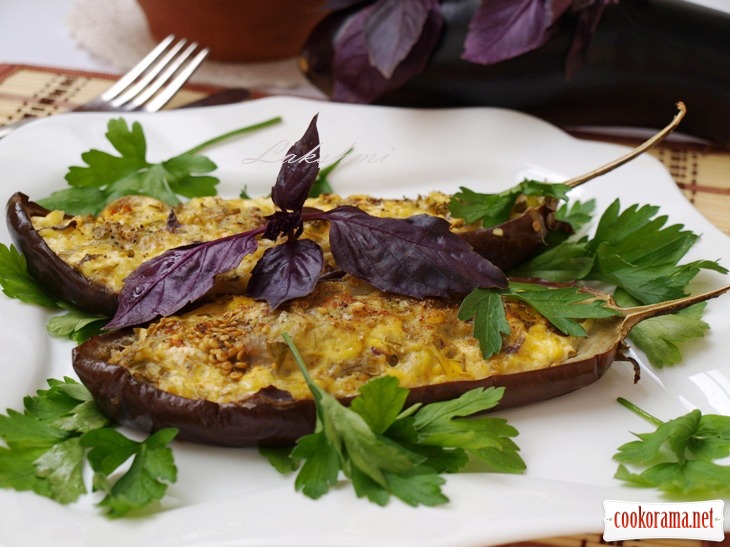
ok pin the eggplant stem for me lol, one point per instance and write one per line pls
(577, 181)
(636, 314)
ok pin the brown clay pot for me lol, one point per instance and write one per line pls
(237, 30)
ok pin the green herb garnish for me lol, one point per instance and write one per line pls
(635, 251)
(47, 446)
(18, 283)
(107, 177)
(75, 324)
(660, 337)
(562, 306)
(321, 183)
(385, 450)
(678, 458)
(493, 209)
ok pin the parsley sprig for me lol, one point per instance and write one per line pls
(493, 209)
(16, 282)
(678, 457)
(385, 450)
(632, 249)
(562, 306)
(106, 177)
(60, 428)
(637, 252)
(660, 337)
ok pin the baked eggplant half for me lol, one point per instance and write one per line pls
(84, 259)
(222, 373)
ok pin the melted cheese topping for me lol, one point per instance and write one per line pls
(347, 333)
(133, 229)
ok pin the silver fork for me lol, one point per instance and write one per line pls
(148, 86)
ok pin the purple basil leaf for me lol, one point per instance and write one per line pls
(392, 30)
(559, 7)
(335, 5)
(588, 20)
(418, 256)
(289, 270)
(165, 284)
(356, 80)
(503, 29)
(298, 171)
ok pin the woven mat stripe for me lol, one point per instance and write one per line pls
(32, 92)
(6, 69)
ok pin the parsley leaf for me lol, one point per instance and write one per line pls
(380, 403)
(62, 467)
(678, 456)
(493, 209)
(565, 262)
(47, 446)
(659, 337)
(385, 450)
(343, 440)
(106, 176)
(145, 481)
(631, 249)
(490, 321)
(76, 325)
(322, 184)
(43, 452)
(634, 250)
(442, 424)
(562, 306)
(577, 214)
(18, 283)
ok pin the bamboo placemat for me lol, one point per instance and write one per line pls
(36, 91)
(701, 171)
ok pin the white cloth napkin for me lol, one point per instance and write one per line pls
(116, 32)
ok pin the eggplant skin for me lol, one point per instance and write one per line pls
(56, 276)
(516, 240)
(271, 417)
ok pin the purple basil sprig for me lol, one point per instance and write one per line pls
(418, 256)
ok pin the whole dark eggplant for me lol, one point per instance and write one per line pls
(644, 56)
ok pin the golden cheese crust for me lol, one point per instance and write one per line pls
(133, 229)
(347, 333)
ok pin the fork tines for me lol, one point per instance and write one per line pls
(150, 84)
